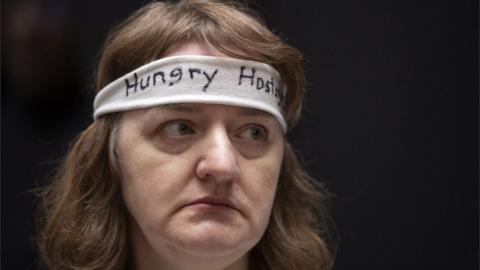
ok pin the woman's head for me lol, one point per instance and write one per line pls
(227, 27)
(199, 180)
(208, 180)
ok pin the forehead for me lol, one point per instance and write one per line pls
(151, 117)
(209, 108)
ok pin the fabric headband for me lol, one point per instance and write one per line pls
(196, 79)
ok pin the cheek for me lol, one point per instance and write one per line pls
(151, 180)
(261, 180)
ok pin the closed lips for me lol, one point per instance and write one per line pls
(214, 202)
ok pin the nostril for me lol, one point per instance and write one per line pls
(217, 168)
(220, 166)
(218, 159)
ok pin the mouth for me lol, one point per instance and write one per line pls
(209, 202)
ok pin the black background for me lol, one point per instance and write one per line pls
(390, 122)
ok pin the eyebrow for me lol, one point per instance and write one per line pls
(187, 108)
(197, 108)
(246, 112)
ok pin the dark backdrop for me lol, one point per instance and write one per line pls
(391, 119)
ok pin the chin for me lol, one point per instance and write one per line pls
(209, 240)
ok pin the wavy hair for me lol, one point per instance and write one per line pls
(83, 220)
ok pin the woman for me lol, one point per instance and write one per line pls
(186, 165)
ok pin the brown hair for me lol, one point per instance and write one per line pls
(84, 225)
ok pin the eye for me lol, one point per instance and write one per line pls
(254, 133)
(178, 128)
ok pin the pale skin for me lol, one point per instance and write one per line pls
(198, 181)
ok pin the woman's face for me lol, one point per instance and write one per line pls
(199, 179)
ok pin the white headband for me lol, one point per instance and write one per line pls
(196, 79)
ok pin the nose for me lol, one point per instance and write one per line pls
(218, 160)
